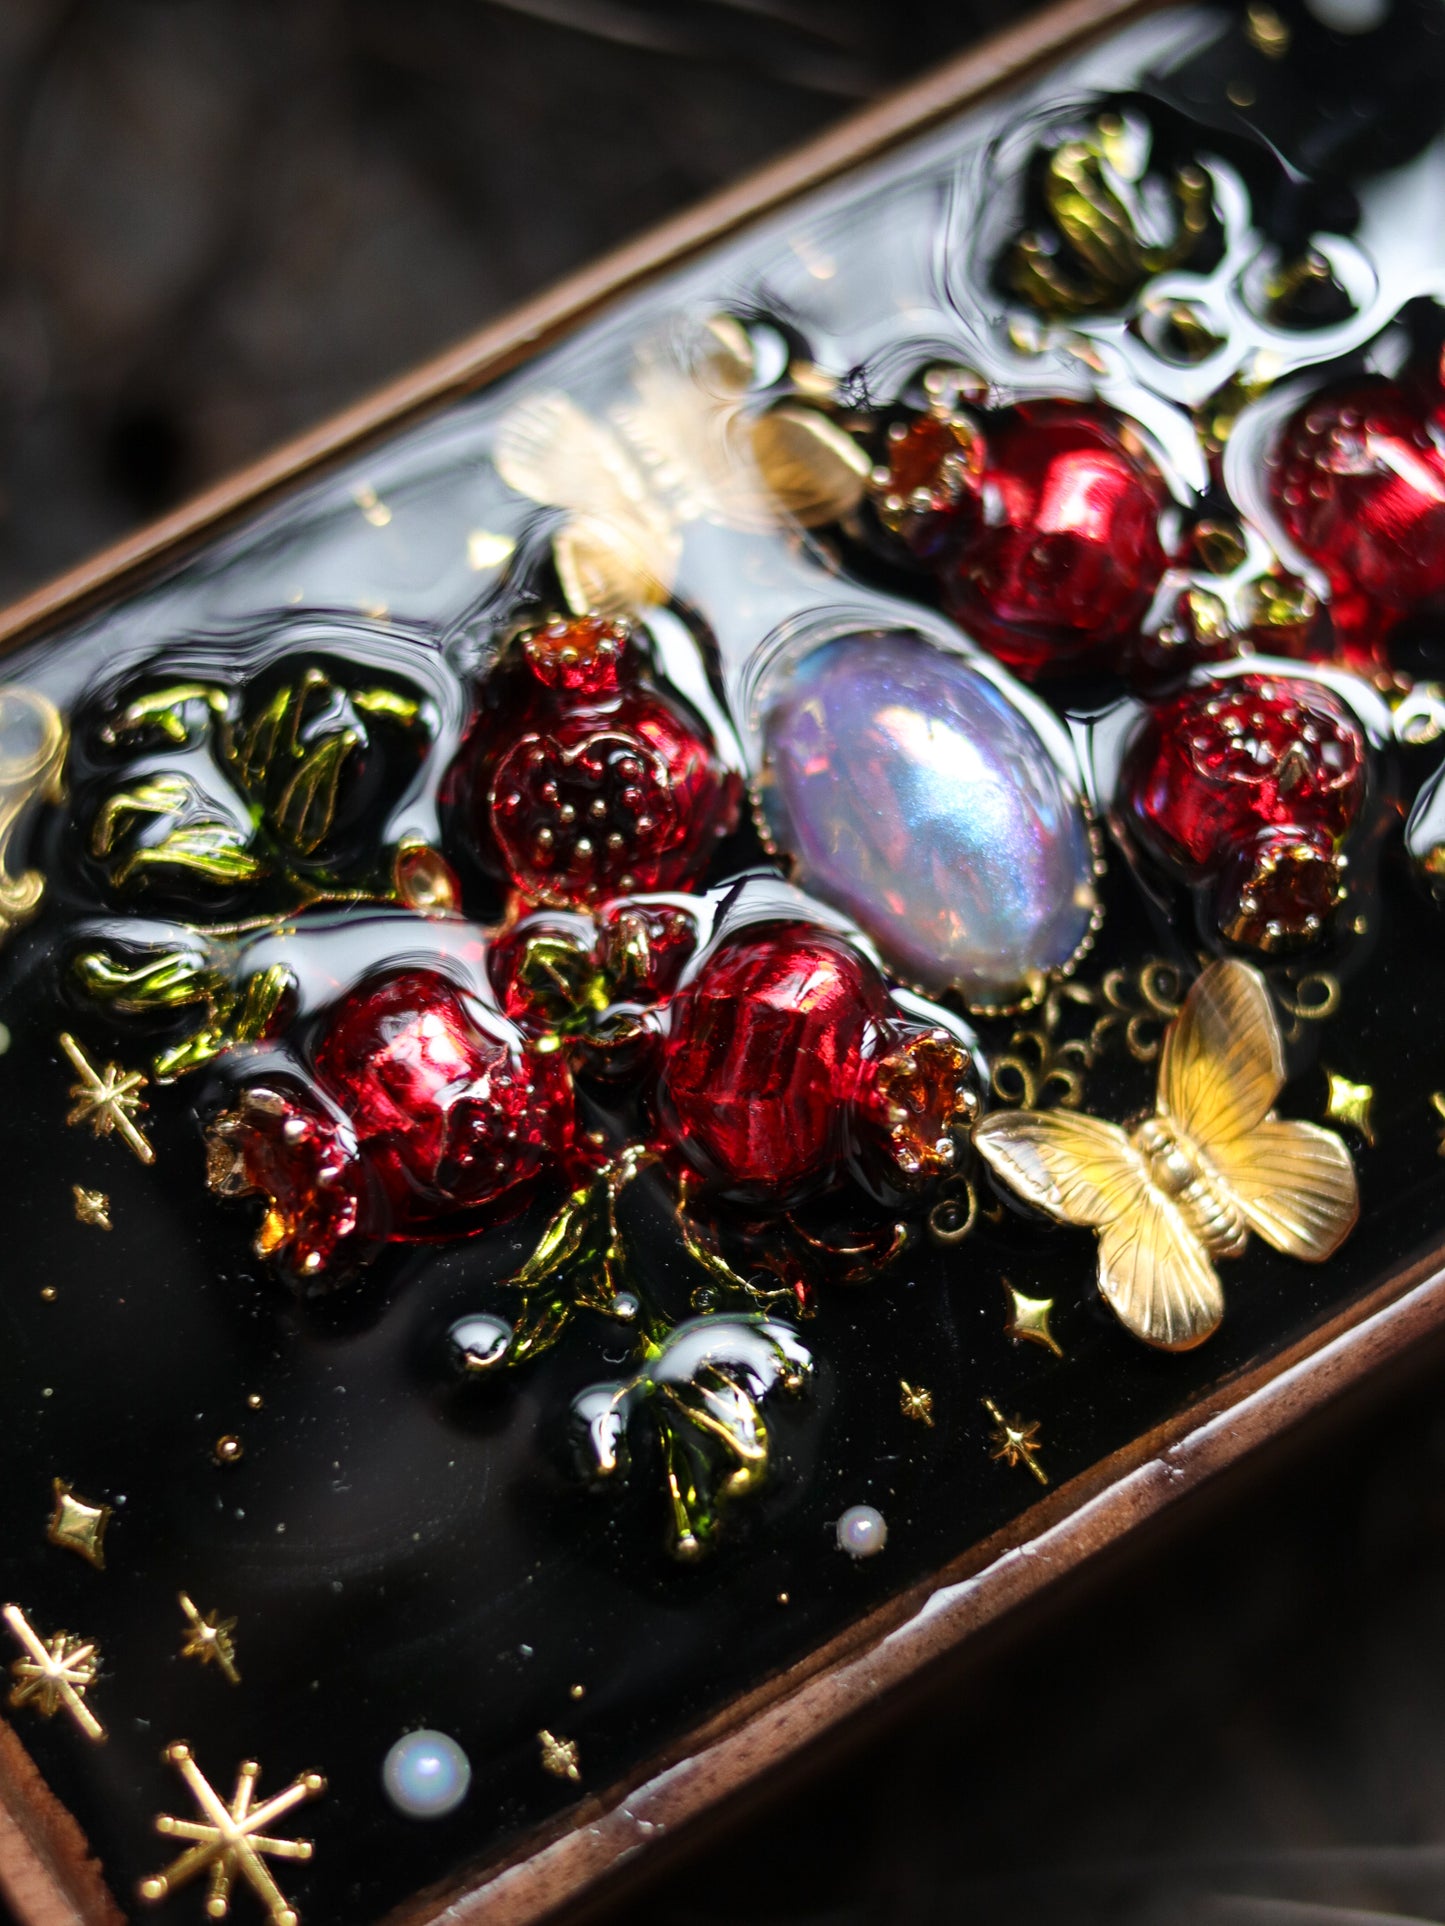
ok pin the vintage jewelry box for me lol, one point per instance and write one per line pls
(687, 1008)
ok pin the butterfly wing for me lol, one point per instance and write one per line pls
(618, 549)
(1080, 1170)
(1222, 1063)
(1222, 1068)
(1157, 1275)
(1295, 1183)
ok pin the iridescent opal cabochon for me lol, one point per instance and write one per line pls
(914, 792)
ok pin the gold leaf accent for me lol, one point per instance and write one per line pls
(32, 755)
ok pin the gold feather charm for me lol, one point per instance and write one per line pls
(1188, 1183)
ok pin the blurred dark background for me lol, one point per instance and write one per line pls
(221, 220)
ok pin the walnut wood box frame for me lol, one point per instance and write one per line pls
(46, 1870)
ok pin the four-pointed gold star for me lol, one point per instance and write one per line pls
(209, 1640)
(559, 1756)
(229, 1840)
(58, 1672)
(108, 1099)
(915, 1402)
(1014, 1442)
(77, 1526)
(1349, 1103)
(1028, 1320)
(91, 1207)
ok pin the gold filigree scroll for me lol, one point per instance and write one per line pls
(32, 756)
(685, 446)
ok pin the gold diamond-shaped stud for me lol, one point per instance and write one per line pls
(78, 1526)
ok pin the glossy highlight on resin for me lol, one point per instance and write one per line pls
(912, 792)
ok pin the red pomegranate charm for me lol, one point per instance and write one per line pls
(1247, 787)
(429, 1117)
(785, 1065)
(1358, 479)
(281, 1143)
(1060, 562)
(586, 781)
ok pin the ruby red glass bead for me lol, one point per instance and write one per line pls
(1062, 561)
(765, 1053)
(1250, 785)
(449, 1109)
(1358, 479)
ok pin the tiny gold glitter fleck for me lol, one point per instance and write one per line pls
(559, 1756)
(1349, 1103)
(782, 1598)
(1014, 1442)
(1240, 92)
(91, 1207)
(47, 1292)
(228, 1840)
(57, 1674)
(915, 1402)
(254, 1400)
(76, 1526)
(229, 1450)
(107, 1099)
(486, 550)
(1028, 1320)
(372, 507)
(577, 1691)
(209, 1640)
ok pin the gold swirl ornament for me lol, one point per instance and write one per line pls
(33, 739)
(1190, 1181)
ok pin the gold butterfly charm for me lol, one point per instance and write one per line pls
(1194, 1178)
(689, 444)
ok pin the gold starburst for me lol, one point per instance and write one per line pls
(915, 1402)
(1014, 1442)
(228, 1840)
(108, 1099)
(1028, 1320)
(91, 1207)
(209, 1640)
(77, 1526)
(58, 1673)
(1349, 1103)
(559, 1756)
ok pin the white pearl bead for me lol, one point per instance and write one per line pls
(426, 1775)
(862, 1531)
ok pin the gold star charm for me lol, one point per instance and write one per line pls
(108, 1099)
(76, 1526)
(209, 1640)
(91, 1207)
(1014, 1442)
(915, 1402)
(559, 1756)
(1349, 1103)
(59, 1672)
(1028, 1320)
(1437, 1104)
(228, 1839)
